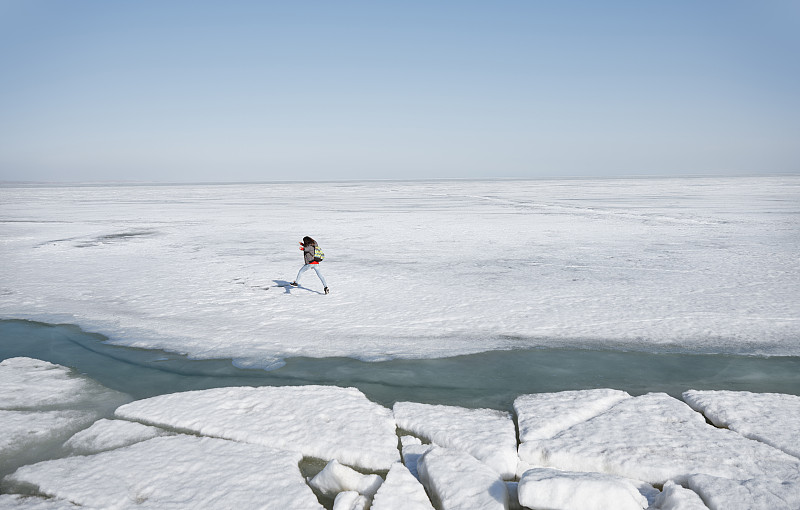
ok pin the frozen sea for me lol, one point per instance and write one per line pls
(465, 294)
(417, 269)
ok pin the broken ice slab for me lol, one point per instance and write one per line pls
(325, 422)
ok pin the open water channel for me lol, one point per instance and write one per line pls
(491, 379)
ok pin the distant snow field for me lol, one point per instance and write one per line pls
(250, 448)
(416, 269)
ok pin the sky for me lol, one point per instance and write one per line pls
(197, 91)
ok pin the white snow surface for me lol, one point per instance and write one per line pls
(336, 478)
(417, 269)
(350, 500)
(457, 481)
(109, 435)
(772, 418)
(675, 497)
(325, 422)
(750, 494)
(656, 438)
(176, 472)
(543, 415)
(565, 490)
(401, 490)
(488, 435)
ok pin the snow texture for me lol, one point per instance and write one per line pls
(755, 493)
(175, 472)
(675, 497)
(107, 434)
(656, 438)
(699, 264)
(401, 490)
(350, 500)
(543, 415)
(457, 481)
(488, 435)
(771, 418)
(325, 422)
(564, 490)
(336, 478)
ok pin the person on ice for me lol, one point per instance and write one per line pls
(312, 256)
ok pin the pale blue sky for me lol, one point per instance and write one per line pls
(318, 90)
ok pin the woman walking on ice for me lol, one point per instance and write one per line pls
(311, 258)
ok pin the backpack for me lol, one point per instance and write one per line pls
(318, 255)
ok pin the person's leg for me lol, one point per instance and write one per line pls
(321, 278)
(300, 273)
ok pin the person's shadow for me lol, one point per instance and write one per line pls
(287, 286)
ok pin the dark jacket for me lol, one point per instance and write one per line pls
(308, 254)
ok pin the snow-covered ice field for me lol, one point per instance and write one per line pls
(417, 269)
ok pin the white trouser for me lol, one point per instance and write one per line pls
(315, 267)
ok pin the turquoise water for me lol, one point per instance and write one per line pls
(491, 379)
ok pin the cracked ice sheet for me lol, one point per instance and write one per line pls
(43, 404)
(325, 422)
(174, 473)
(656, 438)
(457, 481)
(486, 434)
(772, 418)
(566, 261)
(564, 490)
(543, 415)
(401, 490)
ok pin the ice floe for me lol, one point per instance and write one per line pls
(350, 500)
(564, 490)
(543, 415)
(771, 418)
(336, 478)
(24, 430)
(656, 438)
(401, 490)
(581, 450)
(676, 497)
(412, 449)
(488, 435)
(32, 384)
(42, 405)
(175, 472)
(107, 434)
(325, 422)
(455, 480)
(764, 492)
